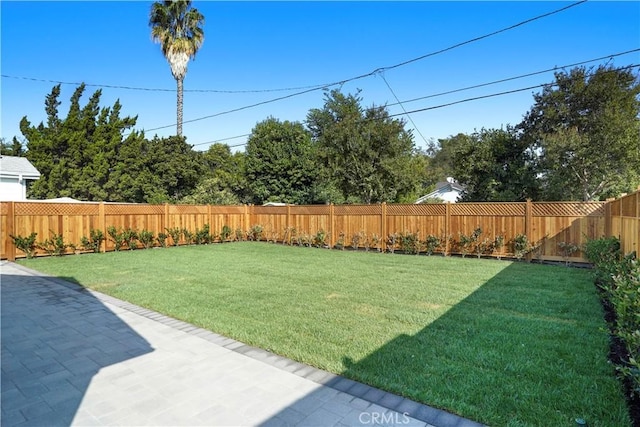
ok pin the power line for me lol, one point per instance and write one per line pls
(493, 95)
(222, 139)
(403, 109)
(147, 89)
(342, 82)
(316, 86)
(514, 78)
(435, 107)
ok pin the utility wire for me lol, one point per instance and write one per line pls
(317, 86)
(342, 82)
(515, 78)
(223, 139)
(148, 89)
(403, 109)
(469, 99)
(493, 95)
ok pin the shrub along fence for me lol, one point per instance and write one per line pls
(553, 231)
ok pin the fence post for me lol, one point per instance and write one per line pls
(102, 226)
(11, 224)
(447, 227)
(165, 221)
(607, 218)
(383, 226)
(528, 222)
(331, 225)
(245, 218)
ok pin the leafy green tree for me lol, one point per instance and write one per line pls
(174, 167)
(211, 191)
(14, 148)
(76, 155)
(366, 154)
(280, 163)
(177, 26)
(587, 129)
(493, 165)
(228, 172)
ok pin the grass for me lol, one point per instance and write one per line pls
(505, 344)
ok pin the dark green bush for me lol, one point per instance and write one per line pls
(93, 242)
(225, 233)
(619, 278)
(26, 244)
(175, 234)
(146, 237)
(117, 237)
(202, 236)
(409, 243)
(431, 244)
(130, 236)
(54, 245)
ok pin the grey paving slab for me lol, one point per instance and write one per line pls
(72, 356)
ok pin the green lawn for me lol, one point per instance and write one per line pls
(499, 342)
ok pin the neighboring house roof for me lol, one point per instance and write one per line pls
(20, 167)
(448, 190)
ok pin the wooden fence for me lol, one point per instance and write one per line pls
(547, 224)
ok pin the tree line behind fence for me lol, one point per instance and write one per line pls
(555, 231)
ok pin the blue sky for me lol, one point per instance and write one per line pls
(273, 45)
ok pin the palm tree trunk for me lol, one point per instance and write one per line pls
(179, 122)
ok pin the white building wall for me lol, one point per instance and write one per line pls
(12, 190)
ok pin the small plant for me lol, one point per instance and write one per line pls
(116, 236)
(467, 243)
(162, 239)
(130, 236)
(340, 242)
(498, 244)
(355, 241)
(255, 233)
(431, 244)
(566, 250)
(409, 243)
(240, 235)
(26, 244)
(225, 233)
(188, 236)
(93, 242)
(392, 241)
(175, 234)
(203, 236)
(289, 235)
(521, 246)
(147, 238)
(375, 242)
(484, 247)
(320, 239)
(55, 245)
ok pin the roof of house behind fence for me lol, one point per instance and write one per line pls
(16, 166)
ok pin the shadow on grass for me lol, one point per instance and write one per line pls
(526, 348)
(55, 339)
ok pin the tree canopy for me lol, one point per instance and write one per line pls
(365, 153)
(493, 165)
(280, 163)
(587, 129)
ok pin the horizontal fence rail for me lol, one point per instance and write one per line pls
(548, 226)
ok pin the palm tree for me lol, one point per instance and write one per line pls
(177, 26)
